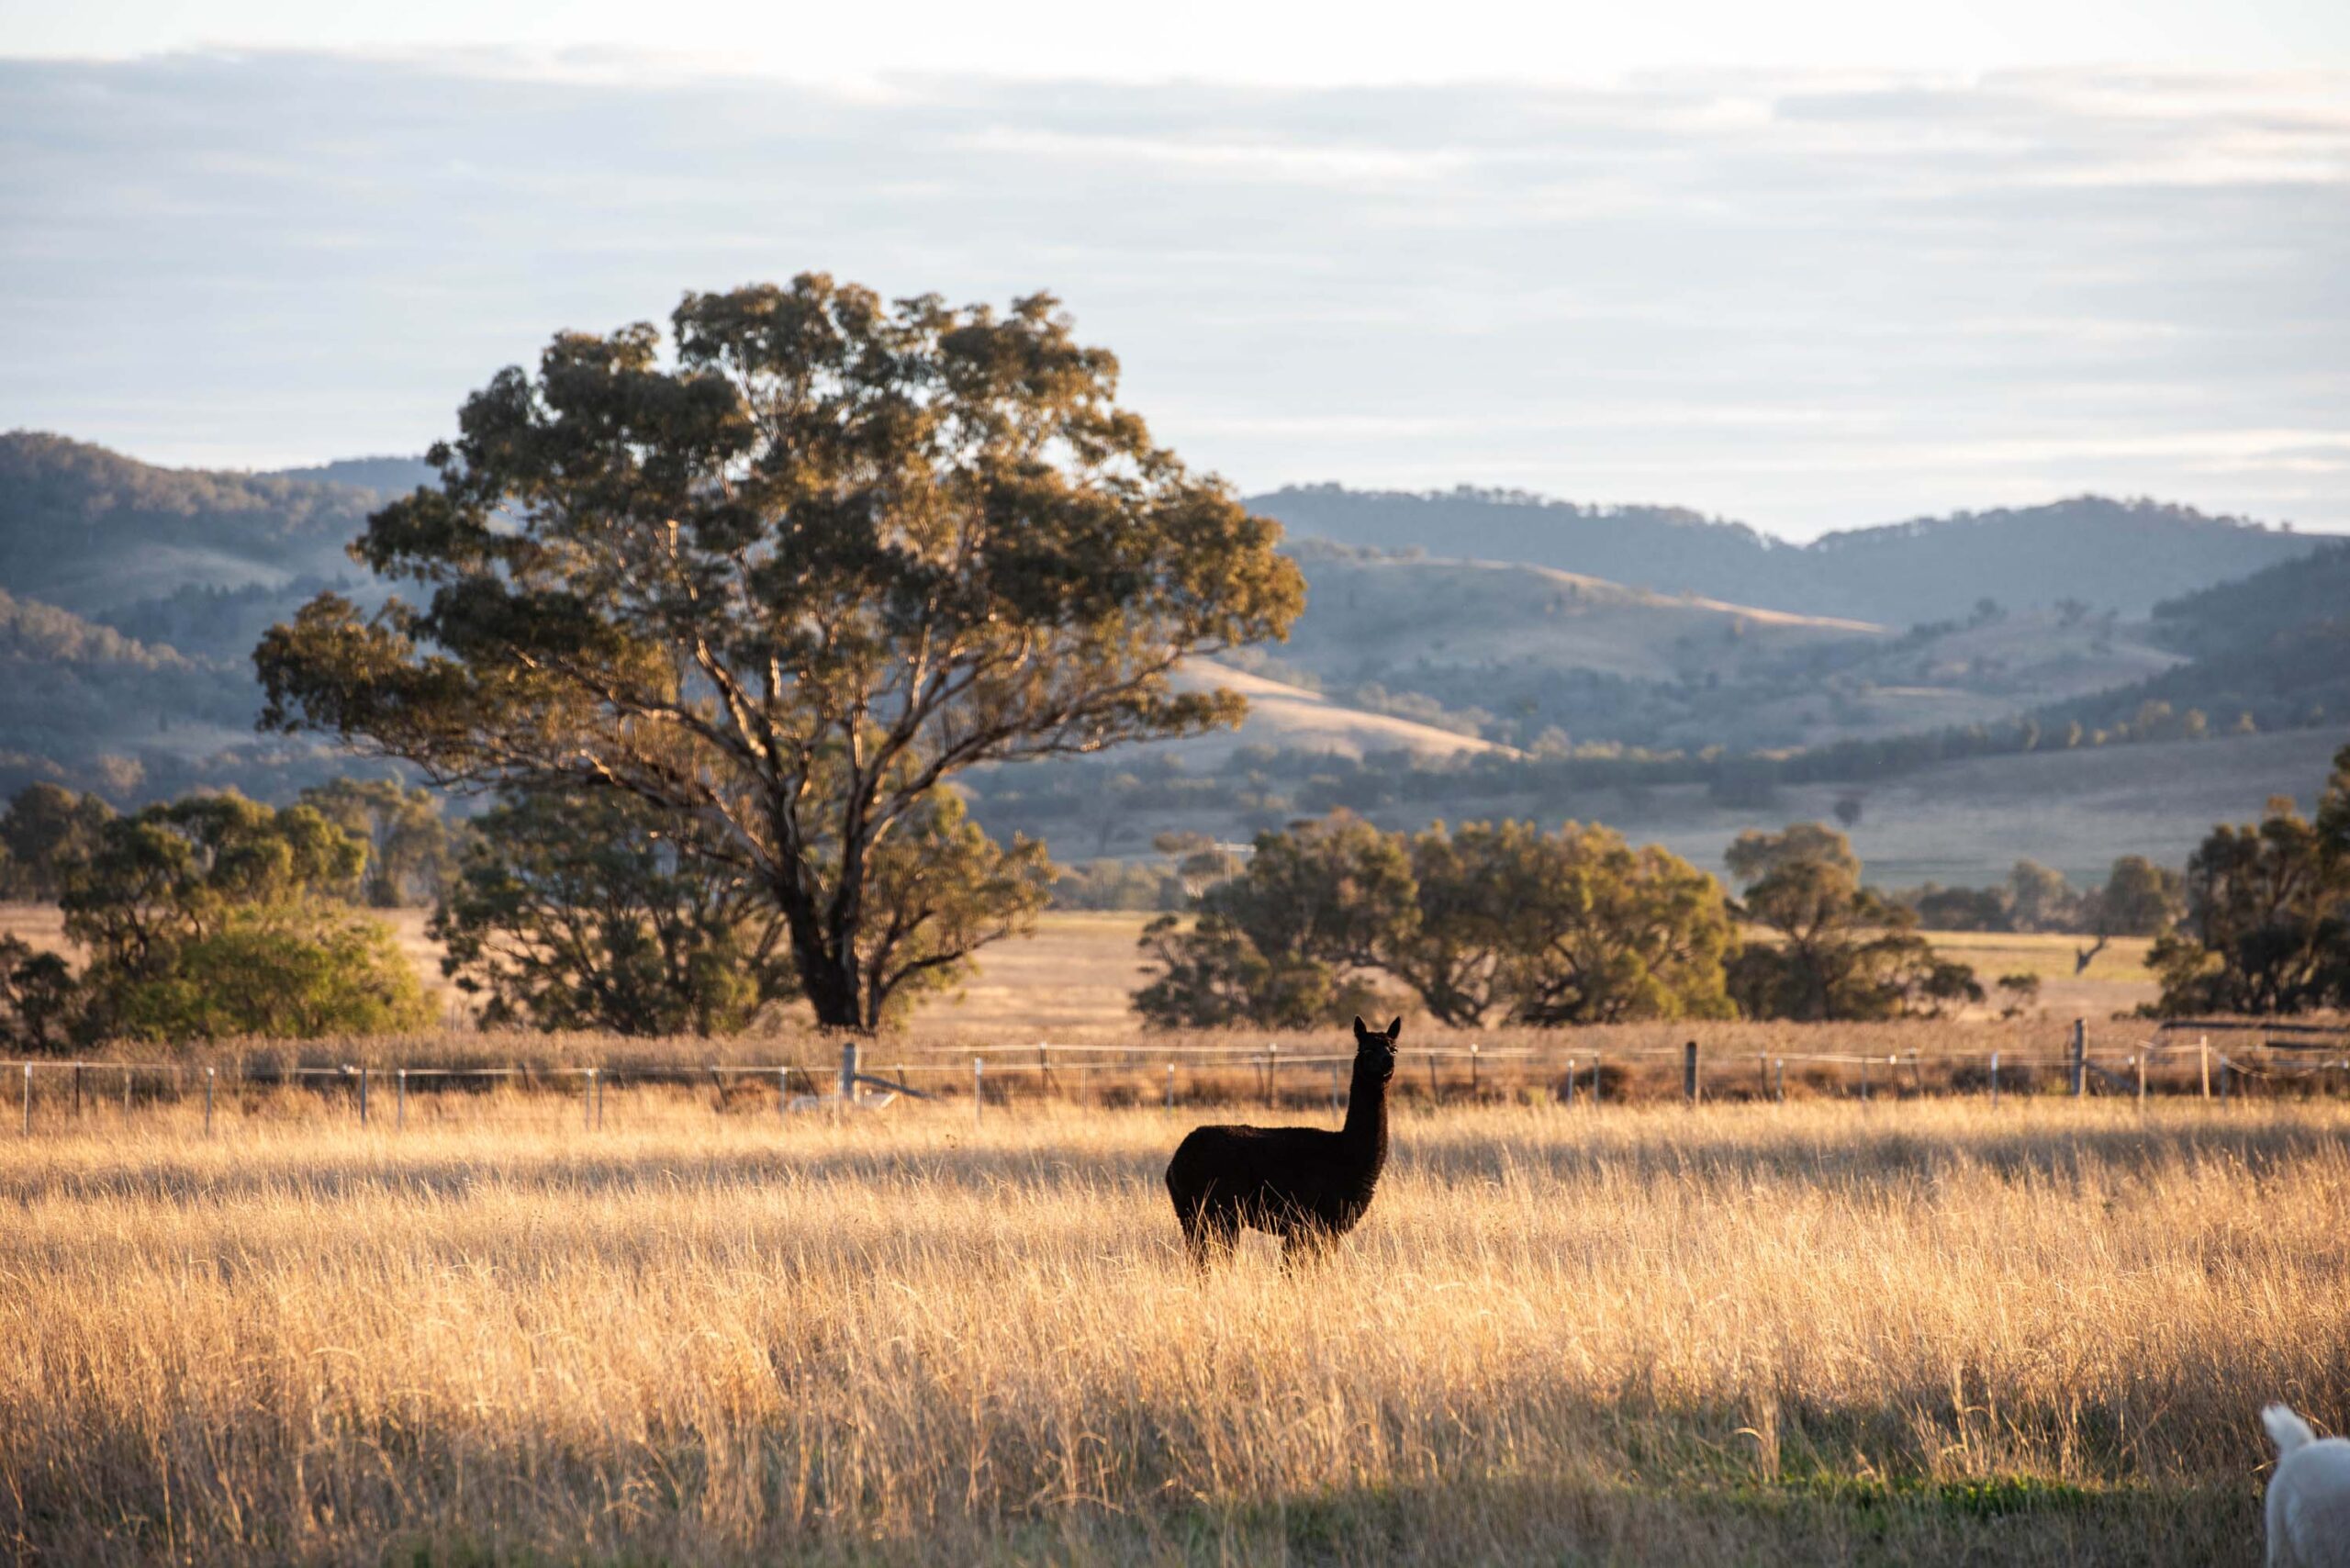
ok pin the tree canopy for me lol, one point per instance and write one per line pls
(785, 580)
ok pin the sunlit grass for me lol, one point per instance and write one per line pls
(1775, 1333)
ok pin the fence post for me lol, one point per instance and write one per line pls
(28, 1099)
(1763, 1073)
(978, 1088)
(209, 1074)
(1689, 1072)
(1864, 1079)
(77, 1091)
(2141, 1079)
(2203, 1054)
(399, 1102)
(363, 1096)
(2080, 1057)
(848, 1071)
(1995, 1078)
(125, 1089)
(782, 1094)
(1044, 1068)
(1433, 1092)
(1594, 1081)
(1782, 1084)
(1170, 1085)
(1570, 1081)
(1472, 1071)
(1916, 1075)
(2224, 1076)
(1272, 1069)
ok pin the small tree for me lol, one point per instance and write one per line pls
(215, 915)
(411, 852)
(2267, 921)
(40, 1001)
(46, 831)
(2139, 899)
(785, 584)
(1843, 950)
(1281, 944)
(1604, 933)
(2040, 899)
(573, 913)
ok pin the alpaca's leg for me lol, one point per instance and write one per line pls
(1211, 1231)
(1303, 1246)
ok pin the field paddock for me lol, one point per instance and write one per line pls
(1923, 1331)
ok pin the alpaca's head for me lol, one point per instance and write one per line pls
(1375, 1049)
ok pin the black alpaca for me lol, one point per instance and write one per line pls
(1307, 1186)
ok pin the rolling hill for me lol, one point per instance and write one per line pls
(2123, 557)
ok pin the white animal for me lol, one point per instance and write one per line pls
(2309, 1498)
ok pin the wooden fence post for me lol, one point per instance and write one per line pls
(1594, 1081)
(1170, 1085)
(1781, 1085)
(1916, 1075)
(1570, 1081)
(848, 1071)
(2141, 1079)
(1689, 1072)
(1864, 1079)
(1763, 1073)
(399, 1102)
(588, 1100)
(125, 1089)
(2080, 1057)
(28, 1099)
(1995, 1078)
(77, 1091)
(978, 1088)
(2203, 1054)
(209, 1074)
(2224, 1075)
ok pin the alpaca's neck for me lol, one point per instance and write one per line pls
(1366, 1128)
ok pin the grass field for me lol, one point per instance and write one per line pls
(1927, 1333)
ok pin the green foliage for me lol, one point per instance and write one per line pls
(1281, 944)
(2139, 899)
(1608, 933)
(40, 1001)
(46, 831)
(1842, 951)
(292, 971)
(574, 911)
(1559, 928)
(2267, 922)
(411, 851)
(785, 580)
(215, 915)
(2040, 899)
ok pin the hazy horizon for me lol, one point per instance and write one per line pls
(1801, 300)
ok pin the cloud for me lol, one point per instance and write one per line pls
(1809, 301)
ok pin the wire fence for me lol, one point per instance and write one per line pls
(2175, 1059)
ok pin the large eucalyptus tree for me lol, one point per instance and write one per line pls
(782, 578)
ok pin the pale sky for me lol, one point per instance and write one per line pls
(1861, 264)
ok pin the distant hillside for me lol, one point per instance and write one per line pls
(89, 530)
(1290, 717)
(2123, 557)
(73, 691)
(2274, 648)
(385, 476)
(1523, 655)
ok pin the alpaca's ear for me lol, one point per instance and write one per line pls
(1395, 1030)
(1362, 1031)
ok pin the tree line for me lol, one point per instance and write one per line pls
(1495, 922)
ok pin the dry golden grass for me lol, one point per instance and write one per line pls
(1918, 1333)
